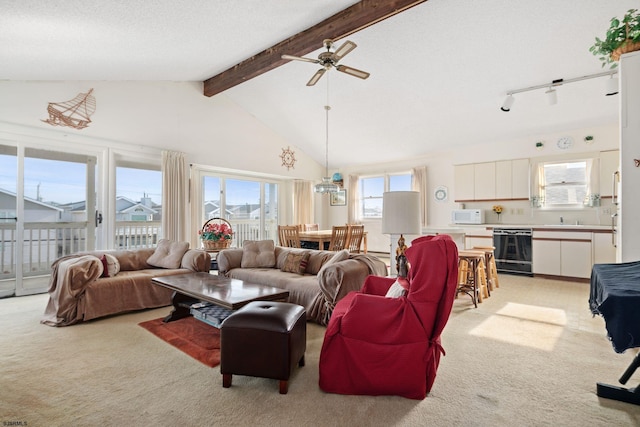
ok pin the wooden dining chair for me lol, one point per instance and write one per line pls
(339, 234)
(310, 227)
(354, 237)
(289, 236)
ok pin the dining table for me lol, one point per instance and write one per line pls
(323, 238)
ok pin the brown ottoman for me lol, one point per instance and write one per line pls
(263, 339)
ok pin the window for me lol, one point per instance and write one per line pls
(372, 188)
(564, 184)
(250, 205)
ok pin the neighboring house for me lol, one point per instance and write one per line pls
(144, 210)
(34, 210)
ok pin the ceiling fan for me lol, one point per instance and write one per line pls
(330, 59)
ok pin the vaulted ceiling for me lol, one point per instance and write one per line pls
(439, 70)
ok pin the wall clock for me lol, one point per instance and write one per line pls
(440, 194)
(565, 142)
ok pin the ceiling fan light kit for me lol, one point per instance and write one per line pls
(330, 60)
(552, 96)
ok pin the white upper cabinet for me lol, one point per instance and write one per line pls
(485, 181)
(503, 180)
(464, 182)
(520, 175)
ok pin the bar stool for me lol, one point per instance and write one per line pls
(472, 277)
(490, 263)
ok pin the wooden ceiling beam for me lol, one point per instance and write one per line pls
(344, 23)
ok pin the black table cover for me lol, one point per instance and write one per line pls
(615, 295)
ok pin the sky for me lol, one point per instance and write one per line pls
(65, 182)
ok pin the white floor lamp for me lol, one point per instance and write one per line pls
(400, 215)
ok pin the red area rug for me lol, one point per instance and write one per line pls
(191, 336)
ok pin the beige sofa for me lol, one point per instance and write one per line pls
(324, 279)
(78, 290)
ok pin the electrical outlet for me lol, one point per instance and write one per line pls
(606, 211)
(520, 211)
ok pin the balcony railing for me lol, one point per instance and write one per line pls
(45, 242)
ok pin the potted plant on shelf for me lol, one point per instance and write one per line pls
(623, 36)
(216, 234)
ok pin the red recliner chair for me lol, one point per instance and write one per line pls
(376, 345)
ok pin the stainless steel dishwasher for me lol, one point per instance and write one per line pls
(513, 250)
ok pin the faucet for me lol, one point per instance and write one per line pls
(561, 220)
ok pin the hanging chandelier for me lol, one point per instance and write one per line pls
(326, 186)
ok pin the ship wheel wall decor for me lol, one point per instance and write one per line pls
(288, 157)
(74, 113)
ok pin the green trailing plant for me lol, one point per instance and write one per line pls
(621, 33)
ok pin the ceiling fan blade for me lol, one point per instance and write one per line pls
(353, 71)
(314, 79)
(300, 58)
(342, 51)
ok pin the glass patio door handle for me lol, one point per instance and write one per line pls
(98, 218)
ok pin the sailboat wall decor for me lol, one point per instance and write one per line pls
(74, 113)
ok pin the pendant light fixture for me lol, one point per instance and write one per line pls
(326, 186)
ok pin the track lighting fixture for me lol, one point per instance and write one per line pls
(552, 95)
(506, 106)
(612, 86)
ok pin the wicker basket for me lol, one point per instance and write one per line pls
(626, 47)
(216, 245)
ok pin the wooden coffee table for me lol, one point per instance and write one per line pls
(232, 294)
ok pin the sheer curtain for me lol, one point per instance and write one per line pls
(302, 202)
(353, 196)
(419, 183)
(174, 196)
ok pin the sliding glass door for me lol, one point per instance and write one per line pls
(48, 207)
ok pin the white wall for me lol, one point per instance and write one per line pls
(164, 115)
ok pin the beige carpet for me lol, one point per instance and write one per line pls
(528, 356)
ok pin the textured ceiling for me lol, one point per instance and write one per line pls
(439, 71)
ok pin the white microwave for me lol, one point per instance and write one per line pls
(467, 216)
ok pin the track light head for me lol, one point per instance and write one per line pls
(612, 86)
(552, 96)
(508, 102)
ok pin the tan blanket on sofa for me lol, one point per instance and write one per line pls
(67, 285)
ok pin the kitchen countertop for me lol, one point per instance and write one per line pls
(540, 227)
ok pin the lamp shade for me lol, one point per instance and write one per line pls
(401, 212)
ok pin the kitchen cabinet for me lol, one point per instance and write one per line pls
(609, 161)
(562, 253)
(504, 184)
(520, 179)
(603, 250)
(464, 182)
(484, 181)
(546, 257)
(502, 180)
(477, 236)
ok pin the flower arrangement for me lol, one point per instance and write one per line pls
(216, 231)
(497, 209)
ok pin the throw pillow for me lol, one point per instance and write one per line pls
(258, 254)
(337, 257)
(397, 289)
(296, 262)
(110, 265)
(168, 254)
